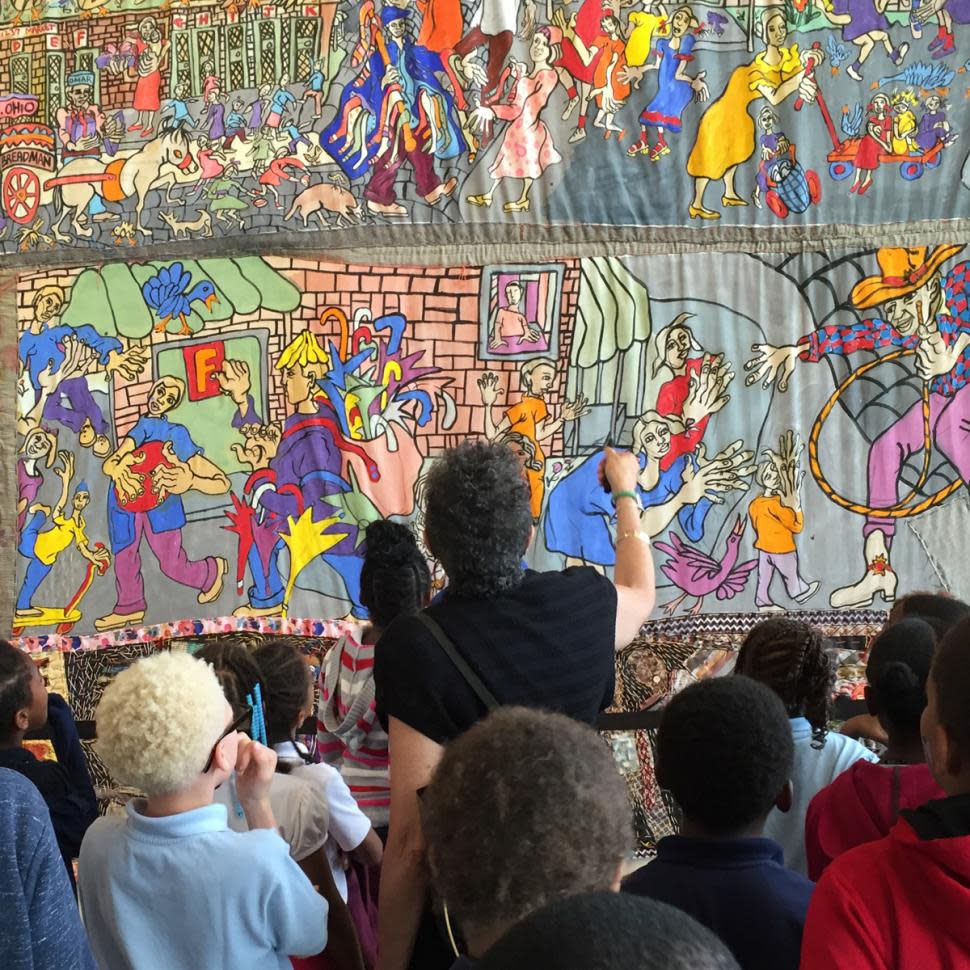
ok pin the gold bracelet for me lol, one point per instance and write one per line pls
(636, 534)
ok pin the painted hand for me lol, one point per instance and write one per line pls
(700, 88)
(724, 473)
(705, 391)
(575, 409)
(176, 479)
(528, 20)
(79, 359)
(127, 485)
(234, 380)
(129, 364)
(488, 388)
(100, 558)
(65, 471)
(934, 358)
(473, 71)
(771, 364)
(630, 75)
(481, 117)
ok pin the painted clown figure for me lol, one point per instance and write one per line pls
(922, 311)
(304, 471)
(395, 111)
(155, 464)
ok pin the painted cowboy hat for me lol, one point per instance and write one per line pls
(901, 272)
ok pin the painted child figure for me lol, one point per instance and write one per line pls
(176, 113)
(864, 24)
(773, 144)
(42, 548)
(235, 123)
(776, 516)
(933, 126)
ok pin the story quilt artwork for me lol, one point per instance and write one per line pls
(203, 438)
(127, 122)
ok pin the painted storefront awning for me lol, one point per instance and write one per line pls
(613, 313)
(110, 297)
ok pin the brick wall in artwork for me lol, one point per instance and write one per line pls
(441, 305)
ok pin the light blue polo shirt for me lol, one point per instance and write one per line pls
(184, 892)
(814, 769)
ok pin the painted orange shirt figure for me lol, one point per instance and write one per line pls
(530, 418)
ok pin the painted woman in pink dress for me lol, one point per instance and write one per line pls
(527, 149)
(150, 49)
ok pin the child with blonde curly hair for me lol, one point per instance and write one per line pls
(169, 885)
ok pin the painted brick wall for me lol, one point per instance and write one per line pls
(441, 307)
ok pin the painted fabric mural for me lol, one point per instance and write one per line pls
(200, 439)
(124, 123)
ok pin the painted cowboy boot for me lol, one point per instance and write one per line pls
(880, 579)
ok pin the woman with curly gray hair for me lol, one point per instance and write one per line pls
(499, 636)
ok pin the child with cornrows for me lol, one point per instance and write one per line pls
(790, 657)
(395, 581)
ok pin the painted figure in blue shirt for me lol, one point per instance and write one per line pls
(235, 123)
(42, 348)
(279, 103)
(297, 138)
(314, 87)
(154, 465)
(177, 110)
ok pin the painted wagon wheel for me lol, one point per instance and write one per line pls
(21, 195)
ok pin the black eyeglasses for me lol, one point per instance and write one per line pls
(232, 729)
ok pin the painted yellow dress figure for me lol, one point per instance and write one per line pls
(726, 133)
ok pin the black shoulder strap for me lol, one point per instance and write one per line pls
(468, 675)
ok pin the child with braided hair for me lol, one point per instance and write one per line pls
(301, 812)
(790, 657)
(301, 809)
(288, 686)
(395, 581)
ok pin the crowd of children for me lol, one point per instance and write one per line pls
(798, 846)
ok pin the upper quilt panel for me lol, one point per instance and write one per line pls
(123, 124)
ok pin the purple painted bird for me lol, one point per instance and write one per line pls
(697, 574)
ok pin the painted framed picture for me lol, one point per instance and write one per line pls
(519, 309)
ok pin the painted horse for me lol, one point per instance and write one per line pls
(117, 180)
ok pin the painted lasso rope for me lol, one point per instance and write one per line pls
(902, 509)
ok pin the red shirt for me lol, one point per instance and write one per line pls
(860, 806)
(900, 903)
(670, 401)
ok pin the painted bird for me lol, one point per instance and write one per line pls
(716, 22)
(852, 120)
(838, 53)
(921, 75)
(167, 293)
(697, 574)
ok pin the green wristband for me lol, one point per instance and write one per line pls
(633, 495)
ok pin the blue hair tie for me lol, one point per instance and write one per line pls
(257, 727)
